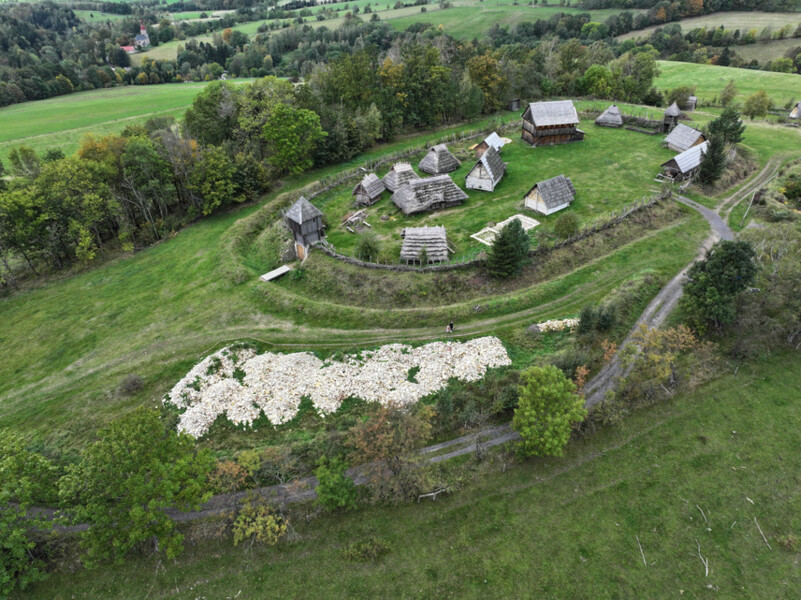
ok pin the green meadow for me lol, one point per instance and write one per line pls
(742, 20)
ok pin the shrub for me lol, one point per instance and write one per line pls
(369, 550)
(368, 247)
(567, 225)
(335, 490)
(258, 523)
(131, 384)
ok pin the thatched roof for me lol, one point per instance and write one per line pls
(431, 193)
(673, 111)
(557, 112)
(689, 159)
(302, 211)
(434, 239)
(492, 162)
(611, 117)
(439, 160)
(399, 174)
(370, 185)
(682, 137)
(556, 191)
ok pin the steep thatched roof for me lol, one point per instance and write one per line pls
(302, 211)
(370, 185)
(557, 112)
(439, 160)
(682, 137)
(434, 239)
(399, 174)
(689, 159)
(555, 191)
(611, 117)
(492, 163)
(673, 111)
(431, 193)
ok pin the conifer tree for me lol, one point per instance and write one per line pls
(713, 161)
(509, 251)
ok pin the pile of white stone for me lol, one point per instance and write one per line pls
(556, 325)
(276, 383)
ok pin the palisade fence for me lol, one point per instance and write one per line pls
(478, 256)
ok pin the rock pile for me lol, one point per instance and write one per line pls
(275, 383)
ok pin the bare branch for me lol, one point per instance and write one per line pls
(641, 552)
(762, 534)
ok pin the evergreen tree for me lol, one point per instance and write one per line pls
(728, 93)
(509, 251)
(729, 126)
(713, 161)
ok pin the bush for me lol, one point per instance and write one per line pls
(567, 225)
(131, 384)
(368, 247)
(335, 490)
(258, 523)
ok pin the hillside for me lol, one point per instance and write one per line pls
(744, 21)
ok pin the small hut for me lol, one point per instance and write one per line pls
(514, 104)
(399, 174)
(368, 190)
(493, 140)
(611, 117)
(671, 118)
(487, 172)
(692, 103)
(433, 239)
(439, 160)
(796, 111)
(554, 122)
(551, 195)
(683, 138)
(306, 222)
(425, 195)
(684, 165)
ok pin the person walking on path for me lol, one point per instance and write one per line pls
(450, 327)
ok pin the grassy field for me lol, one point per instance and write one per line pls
(93, 16)
(61, 122)
(764, 52)
(624, 174)
(568, 527)
(744, 21)
(711, 79)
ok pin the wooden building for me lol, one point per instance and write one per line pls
(692, 103)
(683, 138)
(493, 140)
(487, 172)
(547, 123)
(306, 222)
(611, 117)
(439, 160)
(368, 190)
(399, 174)
(514, 104)
(551, 195)
(686, 164)
(433, 239)
(425, 195)
(671, 118)
(796, 111)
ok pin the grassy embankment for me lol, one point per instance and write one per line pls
(742, 20)
(550, 528)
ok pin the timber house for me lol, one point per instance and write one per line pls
(547, 123)
(684, 165)
(306, 222)
(683, 138)
(551, 195)
(425, 195)
(439, 160)
(433, 239)
(399, 174)
(493, 140)
(368, 190)
(611, 117)
(487, 172)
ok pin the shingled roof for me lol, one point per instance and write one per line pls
(302, 211)
(673, 110)
(370, 185)
(611, 117)
(682, 137)
(492, 162)
(557, 112)
(495, 141)
(431, 193)
(399, 174)
(689, 159)
(439, 160)
(556, 191)
(434, 239)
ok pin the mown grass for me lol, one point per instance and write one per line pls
(94, 16)
(549, 528)
(624, 166)
(731, 21)
(61, 122)
(711, 79)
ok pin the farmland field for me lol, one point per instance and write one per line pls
(743, 21)
(94, 16)
(61, 122)
(763, 52)
(711, 79)
(567, 527)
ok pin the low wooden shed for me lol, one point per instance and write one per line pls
(433, 239)
(368, 190)
(439, 160)
(683, 138)
(551, 195)
(796, 111)
(686, 164)
(487, 172)
(611, 117)
(493, 140)
(399, 174)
